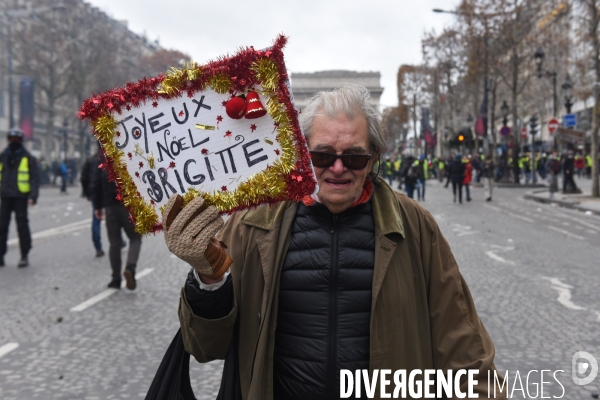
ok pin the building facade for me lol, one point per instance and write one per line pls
(307, 84)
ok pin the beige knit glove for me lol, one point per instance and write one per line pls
(189, 233)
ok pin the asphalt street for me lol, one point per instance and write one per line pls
(532, 270)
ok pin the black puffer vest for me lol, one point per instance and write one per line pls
(324, 302)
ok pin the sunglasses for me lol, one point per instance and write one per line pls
(351, 161)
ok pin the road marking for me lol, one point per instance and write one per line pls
(75, 226)
(463, 230)
(7, 348)
(106, 293)
(492, 207)
(564, 293)
(510, 213)
(496, 257)
(574, 236)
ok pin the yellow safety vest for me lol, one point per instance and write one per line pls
(22, 176)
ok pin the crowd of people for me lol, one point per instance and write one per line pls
(412, 172)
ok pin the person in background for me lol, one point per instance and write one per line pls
(410, 176)
(468, 176)
(456, 174)
(422, 175)
(104, 194)
(19, 187)
(388, 170)
(487, 174)
(87, 175)
(553, 168)
(64, 174)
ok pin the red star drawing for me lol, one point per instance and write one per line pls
(219, 118)
(204, 151)
(154, 104)
(224, 188)
(152, 202)
(137, 174)
(128, 107)
(172, 165)
(181, 113)
(118, 133)
(253, 127)
(130, 155)
(227, 134)
(224, 103)
(276, 151)
(299, 178)
(141, 164)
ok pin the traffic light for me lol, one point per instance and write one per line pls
(533, 125)
(460, 138)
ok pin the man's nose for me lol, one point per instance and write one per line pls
(338, 166)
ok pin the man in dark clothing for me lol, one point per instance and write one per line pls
(456, 174)
(18, 188)
(87, 175)
(104, 195)
(569, 185)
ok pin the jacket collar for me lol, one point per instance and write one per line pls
(386, 211)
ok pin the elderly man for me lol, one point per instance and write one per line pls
(356, 277)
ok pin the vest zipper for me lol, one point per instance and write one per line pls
(332, 373)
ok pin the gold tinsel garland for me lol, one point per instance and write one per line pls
(258, 188)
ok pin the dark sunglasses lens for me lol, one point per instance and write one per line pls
(355, 161)
(322, 160)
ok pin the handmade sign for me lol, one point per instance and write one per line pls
(227, 131)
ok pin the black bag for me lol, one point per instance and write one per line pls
(172, 380)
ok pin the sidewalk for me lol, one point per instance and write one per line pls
(581, 201)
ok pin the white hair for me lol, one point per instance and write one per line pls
(351, 100)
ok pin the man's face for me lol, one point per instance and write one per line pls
(338, 185)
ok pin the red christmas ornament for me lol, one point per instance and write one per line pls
(235, 107)
(254, 108)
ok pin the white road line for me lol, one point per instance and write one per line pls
(574, 236)
(492, 207)
(75, 226)
(106, 293)
(496, 257)
(93, 300)
(7, 348)
(564, 293)
(510, 213)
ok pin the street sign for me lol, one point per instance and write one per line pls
(570, 120)
(570, 135)
(552, 125)
(505, 131)
(524, 132)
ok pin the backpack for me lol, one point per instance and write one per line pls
(413, 172)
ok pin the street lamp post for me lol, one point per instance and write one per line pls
(7, 20)
(567, 88)
(539, 56)
(65, 132)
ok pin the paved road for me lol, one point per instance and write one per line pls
(532, 270)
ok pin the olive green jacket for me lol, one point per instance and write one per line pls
(422, 314)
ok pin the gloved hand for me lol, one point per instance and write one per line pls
(189, 233)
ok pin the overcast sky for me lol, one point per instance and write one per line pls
(359, 35)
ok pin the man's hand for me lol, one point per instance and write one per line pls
(189, 233)
(32, 202)
(99, 214)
